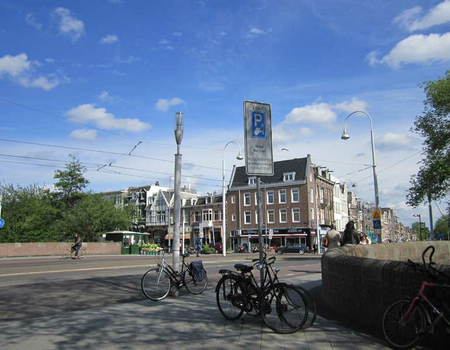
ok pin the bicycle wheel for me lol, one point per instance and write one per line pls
(403, 334)
(66, 254)
(311, 305)
(284, 308)
(193, 286)
(230, 297)
(155, 284)
(82, 254)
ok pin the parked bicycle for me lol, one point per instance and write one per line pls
(69, 253)
(157, 283)
(406, 321)
(283, 307)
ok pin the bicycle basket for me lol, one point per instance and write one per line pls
(197, 271)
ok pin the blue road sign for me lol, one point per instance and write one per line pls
(376, 224)
(2, 223)
(258, 124)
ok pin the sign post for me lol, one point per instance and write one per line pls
(258, 153)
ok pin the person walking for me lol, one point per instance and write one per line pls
(350, 235)
(332, 238)
(199, 245)
(77, 245)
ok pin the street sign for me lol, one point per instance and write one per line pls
(378, 231)
(249, 236)
(258, 139)
(2, 223)
(376, 224)
(376, 215)
(270, 233)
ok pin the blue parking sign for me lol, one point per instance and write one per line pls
(258, 124)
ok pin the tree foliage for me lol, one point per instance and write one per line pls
(442, 226)
(421, 233)
(33, 214)
(433, 177)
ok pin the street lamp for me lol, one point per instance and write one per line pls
(420, 225)
(224, 236)
(346, 136)
(177, 188)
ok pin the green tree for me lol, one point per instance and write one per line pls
(432, 182)
(93, 215)
(29, 214)
(420, 233)
(71, 183)
(442, 226)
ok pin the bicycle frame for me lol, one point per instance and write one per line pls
(421, 297)
(173, 275)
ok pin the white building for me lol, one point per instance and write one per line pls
(340, 205)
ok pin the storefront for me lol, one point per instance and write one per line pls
(274, 237)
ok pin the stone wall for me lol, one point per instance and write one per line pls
(361, 281)
(56, 249)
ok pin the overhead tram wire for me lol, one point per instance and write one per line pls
(98, 165)
(94, 170)
(102, 151)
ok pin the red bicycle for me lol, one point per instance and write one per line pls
(406, 321)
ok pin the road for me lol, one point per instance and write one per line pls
(37, 287)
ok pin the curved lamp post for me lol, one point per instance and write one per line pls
(224, 216)
(346, 136)
(177, 189)
(420, 225)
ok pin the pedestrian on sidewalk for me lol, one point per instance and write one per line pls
(199, 245)
(332, 237)
(350, 236)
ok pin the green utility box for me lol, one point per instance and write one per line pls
(126, 250)
(134, 249)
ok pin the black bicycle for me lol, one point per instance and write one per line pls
(283, 307)
(157, 283)
(406, 321)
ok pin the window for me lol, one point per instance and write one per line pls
(207, 215)
(233, 199)
(269, 197)
(312, 214)
(295, 196)
(311, 195)
(233, 217)
(282, 196)
(198, 216)
(252, 180)
(217, 216)
(310, 177)
(296, 215)
(247, 217)
(271, 216)
(247, 199)
(283, 215)
(256, 217)
(288, 176)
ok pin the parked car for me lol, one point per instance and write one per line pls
(295, 248)
(217, 246)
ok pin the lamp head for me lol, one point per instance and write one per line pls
(345, 136)
(239, 156)
(178, 127)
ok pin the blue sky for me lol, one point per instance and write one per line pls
(105, 75)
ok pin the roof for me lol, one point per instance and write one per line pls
(297, 165)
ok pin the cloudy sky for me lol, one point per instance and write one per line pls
(102, 80)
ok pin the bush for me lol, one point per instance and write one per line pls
(208, 250)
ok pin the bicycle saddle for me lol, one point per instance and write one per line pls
(243, 267)
(185, 255)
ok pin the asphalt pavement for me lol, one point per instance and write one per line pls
(188, 322)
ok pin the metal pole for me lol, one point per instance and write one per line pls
(183, 233)
(432, 237)
(420, 228)
(224, 236)
(177, 210)
(375, 177)
(261, 257)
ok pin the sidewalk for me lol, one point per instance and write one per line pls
(188, 322)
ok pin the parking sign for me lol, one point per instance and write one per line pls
(258, 139)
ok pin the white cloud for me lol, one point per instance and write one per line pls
(319, 113)
(164, 105)
(395, 142)
(129, 59)
(255, 33)
(177, 33)
(165, 44)
(68, 25)
(106, 97)
(419, 49)
(353, 105)
(84, 134)
(109, 39)
(20, 70)
(89, 113)
(412, 21)
(29, 19)
(50, 60)
(284, 133)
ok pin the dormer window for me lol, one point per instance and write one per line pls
(288, 177)
(252, 180)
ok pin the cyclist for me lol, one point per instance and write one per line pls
(77, 245)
